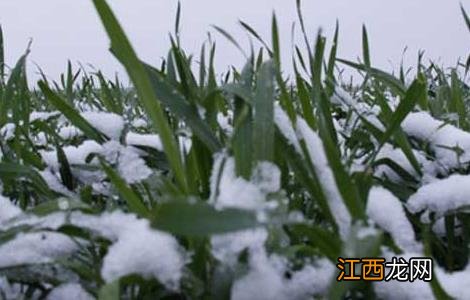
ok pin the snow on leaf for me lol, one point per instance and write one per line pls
(69, 291)
(384, 209)
(446, 141)
(108, 123)
(441, 196)
(7, 132)
(8, 210)
(266, 279)
(325, 175)
(42, 115)
(230, 191)
(148, 140)
(35, 248)
(136, 248)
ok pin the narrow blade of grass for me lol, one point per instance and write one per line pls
(395, 84)
(13, 170)
(200, 219)
(133, 200)
(400, 137)
(64, 169)
(202, 67)
(106, 96)
(59, 204)
(346, 187)
(8, 93)
(256, 35)
(457, 100)
(275, 42)
(123, 50)
(2, 56)
(413, 95)
(365, 47)
(242, 137)
(304, 172)
(404, 174)
(110, 291)
(71, 114)
(436, 286)
(243, 123)
(177, 22)
(69, 83)
(305, 102)
(320, 238)
(465, 16)
(263, 119)
(176, 103)
(230, 38)
(330, 78)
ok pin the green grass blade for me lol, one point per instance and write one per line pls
(71, 114)
(64, 169)
(13, 170)
(332, 60)
(300, 58)
(404, 174)
(239, 90)
(230, 38)
(320, 238)
(345, 184)
(263, 119)
(413, 95)
(202, 67)
(178, 105)
(110, 291)
(69, 83)
(242, 137)
(57, 205)
(404, 144)
(436, 286)
(30, 157)
(465, 16)
(346, 187)
(2, 56)
(106, 96)
(467, 65)
(304, 34)
(243, 123)
(366, 53)
(171, 69)
(10, 90)
(400, 137)
(187, 79)
(200, 219)
(133, 200)
(123, 50)
(305, 102)
(256, 35)
(177, 22)
(324, 111)
(457, 100)
(275, 42)
(365, 47)
(305, 172)
(395, 84)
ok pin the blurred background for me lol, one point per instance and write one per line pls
(66, 29)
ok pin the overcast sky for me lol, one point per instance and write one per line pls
(70, 29)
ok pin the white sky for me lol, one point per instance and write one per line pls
(70, 29)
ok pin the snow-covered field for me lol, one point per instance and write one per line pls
(246, 187)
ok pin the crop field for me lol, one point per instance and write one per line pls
(248, 184)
